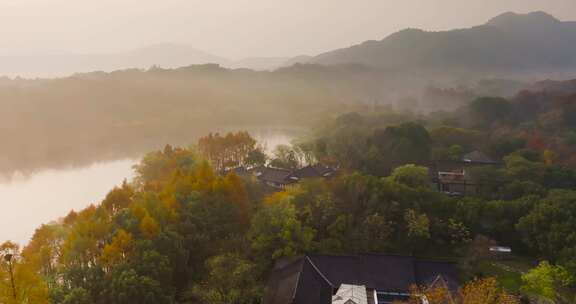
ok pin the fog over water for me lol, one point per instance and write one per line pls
(29, 201)
(49, 195)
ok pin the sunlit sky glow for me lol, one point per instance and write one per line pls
(237, 28)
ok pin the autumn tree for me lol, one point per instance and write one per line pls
(149, 227)
(485, 291)
(230, 150)
(44, 249)
(118, 250)
(477, 291)
(118, 198)
(157, 168)
(19, 280)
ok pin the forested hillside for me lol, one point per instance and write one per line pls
(185, 231)
(537, 121)
(520, 45)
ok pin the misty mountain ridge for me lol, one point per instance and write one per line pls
(511, 19)
(173, 55)
(58, 64)
(529, 46)
(165, 55)
(507, 45)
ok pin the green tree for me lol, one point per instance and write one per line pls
(411, 176)
(77, 296)
(276, 230)
(405, 143)
(487, 110)
(467, 139)
(418, 228)
(231, 279)
(376, 233)
(546, 281)
(455, 152)
(418, 225)
(255, 158)
(127, 287)
(550, 226)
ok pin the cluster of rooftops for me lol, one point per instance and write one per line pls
(279, 178)
(448, 176)
(362, 279)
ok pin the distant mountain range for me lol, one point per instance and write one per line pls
(64, 64)
(531, 46)
(163, 55)
(508, 44)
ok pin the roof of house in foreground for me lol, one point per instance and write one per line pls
(312, 279)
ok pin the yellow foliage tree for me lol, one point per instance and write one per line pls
(204, 177)
(118, 250)
(149, 227)
(19, 281)
(478, 291)
(548, 156)
(485, 291)
(44, 247)
(278, 197)
(236, 192)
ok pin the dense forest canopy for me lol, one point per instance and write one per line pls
(188, 229)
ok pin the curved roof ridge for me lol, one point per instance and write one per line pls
(319, 272)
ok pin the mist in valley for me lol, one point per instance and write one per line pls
(153, 146)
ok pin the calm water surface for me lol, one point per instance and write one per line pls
(26, 202)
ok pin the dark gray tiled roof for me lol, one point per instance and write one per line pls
(313, 171)
(275, 175)
(320, 275)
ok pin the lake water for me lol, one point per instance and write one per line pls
(26, 202)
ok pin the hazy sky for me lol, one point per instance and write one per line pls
(237, 28)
